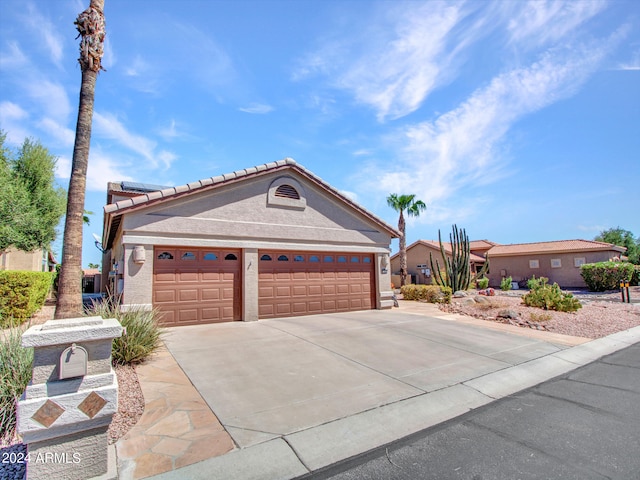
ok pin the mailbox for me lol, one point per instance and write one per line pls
(73, 362)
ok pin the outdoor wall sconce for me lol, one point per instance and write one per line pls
(139, 254)
(383, 264)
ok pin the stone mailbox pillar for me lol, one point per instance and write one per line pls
(65, 411)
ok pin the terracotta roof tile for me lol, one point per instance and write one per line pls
(552, 247)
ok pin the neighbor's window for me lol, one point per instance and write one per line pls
(556, 263)
(579, 261)
(534, 264)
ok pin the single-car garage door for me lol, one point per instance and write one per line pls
(303, 283)
(192, 286)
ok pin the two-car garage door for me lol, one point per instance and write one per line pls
(197, 285)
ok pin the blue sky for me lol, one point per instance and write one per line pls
(518, 121)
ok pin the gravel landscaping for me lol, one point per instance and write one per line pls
(601, 314)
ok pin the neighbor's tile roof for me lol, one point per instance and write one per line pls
(436, 246)
(558, 246)
(475, 244)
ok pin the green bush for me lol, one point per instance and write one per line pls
(21, 295)
(635, 278)
(428, 293)
(482, 283)
(15, 373)
(505, 284)
(549, 297)
(603, 276)
(141, 337)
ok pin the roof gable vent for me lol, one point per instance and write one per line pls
(287, 191)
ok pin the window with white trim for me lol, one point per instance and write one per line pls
(556, 263)
(534, 263)
(579, 261)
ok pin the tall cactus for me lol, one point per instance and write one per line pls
(457, 268)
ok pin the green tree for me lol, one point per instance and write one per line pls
(622, 238)
(31, 204)
(413, 207)
(91, 27)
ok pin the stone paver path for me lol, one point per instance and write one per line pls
(177, 427)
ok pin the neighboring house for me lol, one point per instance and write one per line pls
(418, 260)
(559, 261)
(37, 261)
(269, 241)
(91, 280)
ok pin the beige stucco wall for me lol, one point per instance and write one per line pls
(418, 255)
(567, 276)
(239, 216)
(13, 259)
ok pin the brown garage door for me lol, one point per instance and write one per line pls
(192, 286)
(303, 283)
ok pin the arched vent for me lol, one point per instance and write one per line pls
(287, 191)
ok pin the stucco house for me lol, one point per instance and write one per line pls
(418, 263)
(268, 241)
(40, 260)
(559, 261)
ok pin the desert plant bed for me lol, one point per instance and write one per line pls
(600, 315)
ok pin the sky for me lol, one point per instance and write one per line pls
(518, 121)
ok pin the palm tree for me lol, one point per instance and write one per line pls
(413, 207)
(90, 25)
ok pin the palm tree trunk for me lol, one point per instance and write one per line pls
(403, 250)
(91, 26)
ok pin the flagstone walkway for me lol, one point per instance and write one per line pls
(177, 427)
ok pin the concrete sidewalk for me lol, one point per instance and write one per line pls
(581, 425)
(299, 394)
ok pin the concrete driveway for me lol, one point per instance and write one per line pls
(298, 394)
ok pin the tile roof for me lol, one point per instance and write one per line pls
(153, 197)
(557, 246)
(436, 245)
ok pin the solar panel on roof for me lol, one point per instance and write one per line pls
(140, 187)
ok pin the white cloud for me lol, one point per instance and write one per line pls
(11, 111)
(51, 99)
(137, 68)
(462, 148)
(257, 108)
(108, 126)
(102, 168)
(44, 29)
(542, 21)
(13, 59)
(64, 135)
(12, 118)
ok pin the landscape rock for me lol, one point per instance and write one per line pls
(481, 299)
(508, 314)
(459, 294)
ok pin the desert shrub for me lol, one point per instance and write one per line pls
(505, 283)
(15, 373)
(21, 295)
(540, 317)
(482, 283)
(549, 297)
(603, 276)
(141, 337)
(428, 293)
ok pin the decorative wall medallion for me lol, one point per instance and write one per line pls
(48, 413)
(91, 405)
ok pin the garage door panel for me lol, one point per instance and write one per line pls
(283, 291)
(165, 296)
(196, 288)
(299, 290)
(299, 275)
(265, 292)
(315, 289)
(188, 295)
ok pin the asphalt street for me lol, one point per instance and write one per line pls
(583, 425)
